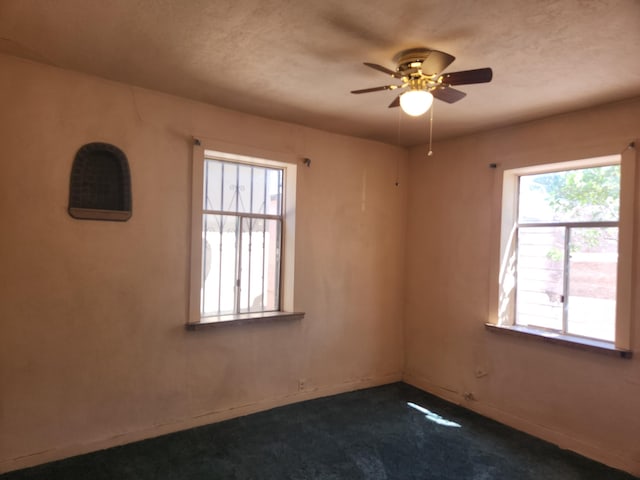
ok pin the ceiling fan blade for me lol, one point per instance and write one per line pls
(395, 103)
(382, 69)
(467, 77)
(376, 89)
(449, 95)
(436, 62)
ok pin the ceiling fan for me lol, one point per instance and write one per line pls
(420, 71)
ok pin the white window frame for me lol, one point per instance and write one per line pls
(503, 278)
(202, 150)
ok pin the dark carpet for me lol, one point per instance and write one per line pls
(389, 432)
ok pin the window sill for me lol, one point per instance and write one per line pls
(581, 343)
(244, 318)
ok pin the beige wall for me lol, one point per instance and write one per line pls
(93, 351)
(92, 348)
(583, 401)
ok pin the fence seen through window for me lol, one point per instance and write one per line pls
(567, 251)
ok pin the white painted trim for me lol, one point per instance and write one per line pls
(568, 165)
(626, 236)
(204, 148)
(195, 270)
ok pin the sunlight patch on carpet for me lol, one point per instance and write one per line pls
(434, 417)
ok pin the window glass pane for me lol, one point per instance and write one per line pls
(260, 265)
(219, 264)
(239, 188)
(272, 261)
(584, 195)
(258, 197)
(212, 185)
(540, 278)
(273, 197)
(229, 183)
(592, 282)
(241, 253)
(243, 188)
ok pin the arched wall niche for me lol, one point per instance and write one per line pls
(100, 186)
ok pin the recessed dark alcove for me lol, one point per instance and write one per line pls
(100, 187)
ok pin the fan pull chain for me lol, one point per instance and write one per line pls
(399, 136)
(430, 152)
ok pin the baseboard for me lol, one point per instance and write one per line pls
(562, 440)
(66, 451)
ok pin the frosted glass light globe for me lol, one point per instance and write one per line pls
(416, 102)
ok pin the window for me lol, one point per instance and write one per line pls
(242, 222)
(242, 232)
(567, 251)
(564, 269)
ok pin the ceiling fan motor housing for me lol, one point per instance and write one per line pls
(420, 69)
(429, 62)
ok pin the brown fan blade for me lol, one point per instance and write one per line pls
(395, 103)
(467, 77)
(436, 62)
(449, 95)
(376, 89)
(382, 69)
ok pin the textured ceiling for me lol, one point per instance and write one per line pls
(297, 60)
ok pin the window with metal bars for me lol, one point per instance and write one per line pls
(567, 251)
(242, 227)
